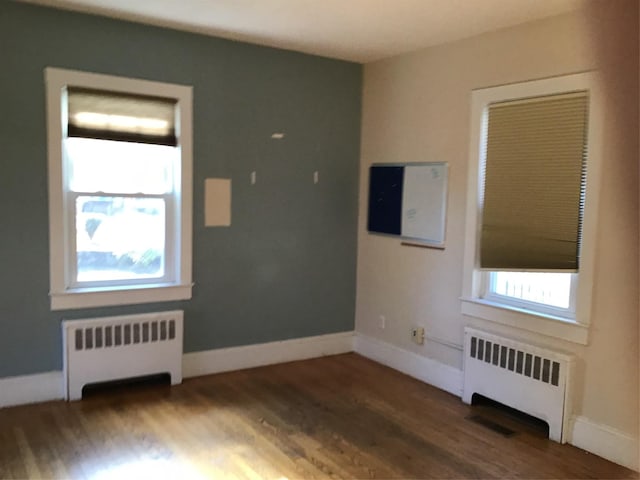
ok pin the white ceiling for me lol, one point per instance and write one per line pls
(356, 30)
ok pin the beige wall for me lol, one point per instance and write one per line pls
(611, 362)
(416, 108)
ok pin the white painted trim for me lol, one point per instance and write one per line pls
(40, 387)
(606, 442)
(525, 320)
(87, 298)
(248, 356)
(430, 371)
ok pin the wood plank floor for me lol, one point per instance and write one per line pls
(333, 417)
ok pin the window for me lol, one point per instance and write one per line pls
(532, 155)
(533, 167)
(120, 173)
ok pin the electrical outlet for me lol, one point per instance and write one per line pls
(417, 335)
(383, 322)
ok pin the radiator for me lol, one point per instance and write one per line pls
(116, 348)
(529, 378)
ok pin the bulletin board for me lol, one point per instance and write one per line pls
(409, 201)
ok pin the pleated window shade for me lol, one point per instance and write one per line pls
(122, 117)
(534, 183)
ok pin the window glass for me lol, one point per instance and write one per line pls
(119, 238)
(544, 288)
(119, 167)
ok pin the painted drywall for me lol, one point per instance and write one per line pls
(416, 108)
(611, 362)
(284, 269)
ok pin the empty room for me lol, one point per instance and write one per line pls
(290, 239)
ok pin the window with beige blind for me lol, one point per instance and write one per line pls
(530, 182)
(120, 190)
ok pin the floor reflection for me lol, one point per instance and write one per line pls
(149, 468)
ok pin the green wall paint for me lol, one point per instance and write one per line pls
(286, 266)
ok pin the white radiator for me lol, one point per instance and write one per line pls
(115, 348)
(528, 378)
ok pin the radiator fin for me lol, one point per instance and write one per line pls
(518, 361)
(124, 334)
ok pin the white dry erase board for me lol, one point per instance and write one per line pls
(409, 201)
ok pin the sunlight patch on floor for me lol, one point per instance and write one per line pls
(149, 468)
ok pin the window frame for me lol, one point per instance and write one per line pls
(474, 303)
(63, 293)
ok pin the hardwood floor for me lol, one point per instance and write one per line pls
(333, 417)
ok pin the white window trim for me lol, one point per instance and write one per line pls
(473, 305)
(63, 297)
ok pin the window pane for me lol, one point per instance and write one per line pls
(119, 238)
(119, 167)
(552, 289)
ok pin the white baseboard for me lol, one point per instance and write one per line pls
(606, 442)
(40, 387)
(237, 358)
(601, 440)
(425, 369)
(47, 386)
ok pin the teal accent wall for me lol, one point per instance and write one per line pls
(286, 266)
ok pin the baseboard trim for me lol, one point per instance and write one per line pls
(219, 360)
(430, 371)
(606, 442)
(40, 387)
(598, 439)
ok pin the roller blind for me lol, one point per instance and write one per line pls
(534, 183)
(116, 116)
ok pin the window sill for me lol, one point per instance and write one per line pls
(105, 297)
(548, 325)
